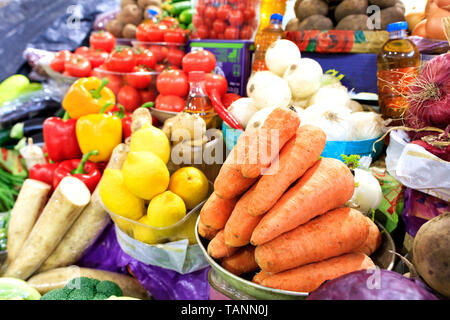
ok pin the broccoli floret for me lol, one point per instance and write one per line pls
(80, 288)
(57, 294)
(100, 296)
(84, 294)
(109, 288)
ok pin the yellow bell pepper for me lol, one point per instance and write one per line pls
(87, 96)
(102, 132)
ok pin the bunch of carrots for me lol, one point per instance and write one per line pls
(289, 224)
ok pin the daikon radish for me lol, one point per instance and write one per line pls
(63, 208)
(30, 201)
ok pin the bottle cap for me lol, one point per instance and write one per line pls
(195, 76)
(152, 12)
(396, 26)
(277, 16)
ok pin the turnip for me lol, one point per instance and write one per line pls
(242, 109)
(431, 253)
(304, 77)
(368, 193)
(280, 55)
(268, 90)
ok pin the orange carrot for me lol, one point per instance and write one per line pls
(325, 186)
(229, 182)
(373, 240)
(206, 232)
(216, 211)
(240, 225)
(334, 233)
(243, 261)
(309, 277)
(217, 248)
(281, 125)
(260, 276)
(297, 156)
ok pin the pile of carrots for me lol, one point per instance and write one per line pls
(280, 212)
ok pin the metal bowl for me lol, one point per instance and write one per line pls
(242, 288)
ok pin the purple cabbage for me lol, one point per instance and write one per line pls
(378, 285)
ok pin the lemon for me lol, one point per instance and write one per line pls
(118, 199)
(145, 174)
(188, 229)
(144, 234)
(190, 184)
(150, 138)
(165, 210)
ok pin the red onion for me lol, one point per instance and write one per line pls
(429, 98)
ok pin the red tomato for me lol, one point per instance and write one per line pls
(78, 66)
(224, 12)
(229, 98)
(249, 13)
(82, 51)
(213, 34)
(141, 32)
(175, 56)
(96, 58)
(231, 33)
(160, 52)
(146, 58)
(175, 36)
(236, 18)
(203, 32)
(219, 26)
(102, 40)
(172, 82)
(114, 81)
(129, 97)
(155, 33)
(121, 60)
(200, 8)
(246, 32)
(197, 20)
(210, 13)
(140, 78)
(169, 103)
(216, 82)
(147, 95)
(199, 60)
(169, 21)
(59, 60)
(160, 67)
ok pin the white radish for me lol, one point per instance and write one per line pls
(304, 78)
(280, 55)
(268, 90)
(243, 109)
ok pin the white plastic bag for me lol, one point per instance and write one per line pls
(417, 168)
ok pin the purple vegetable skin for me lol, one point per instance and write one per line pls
(378, 285)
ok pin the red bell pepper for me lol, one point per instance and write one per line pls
(126, 117)
(43, 172)
(83, 169)
(60, 138)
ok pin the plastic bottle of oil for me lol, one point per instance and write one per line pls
(269, 7)
(198, 101)
(398, 65)
(264, 38)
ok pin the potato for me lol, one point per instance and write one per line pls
(123, 3)
(353, 22)
(316, 22)
(307, 8)
(349, 7)
(431, 253)
(115, 27)
(400, 6)
(129, 31)
(390, 15)
(131, 13)
(292, 25)
(383, 3)
(145, 3)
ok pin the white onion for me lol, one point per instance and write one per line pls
(258, 118)
(355, 106)
(331, 96)
(280, 55)
(304, 78)
(368, 193)
(242, 109)
(367, 125)
(268, 90)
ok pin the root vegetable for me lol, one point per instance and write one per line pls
(331, 96)
(353, 22)
(355, 106)
(390, 15)
(304, 78)
(373, 240)
(367, 125)
(309, 277)
(350, 7)
(218, 249)
(206, 232)
(383, 3)
(268, 90)
(280, 126)
(241, 262)
(260, 276)
(145, 3)
(280, 55)
(257, 120)
(58, 278)
(123, 3)
(63, 208)
(368, 193)
(131, 13)
(89, 225)
(297, 156)
(307, 8)
(115, 28)
(243, 109)
(30, 201)
(326, 185)
(292, 25)
(216, 211)
(316, 22)
(129, 31)
(431, 253)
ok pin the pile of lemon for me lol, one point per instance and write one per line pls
(143, 190)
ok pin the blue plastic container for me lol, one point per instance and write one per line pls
(230, 135)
